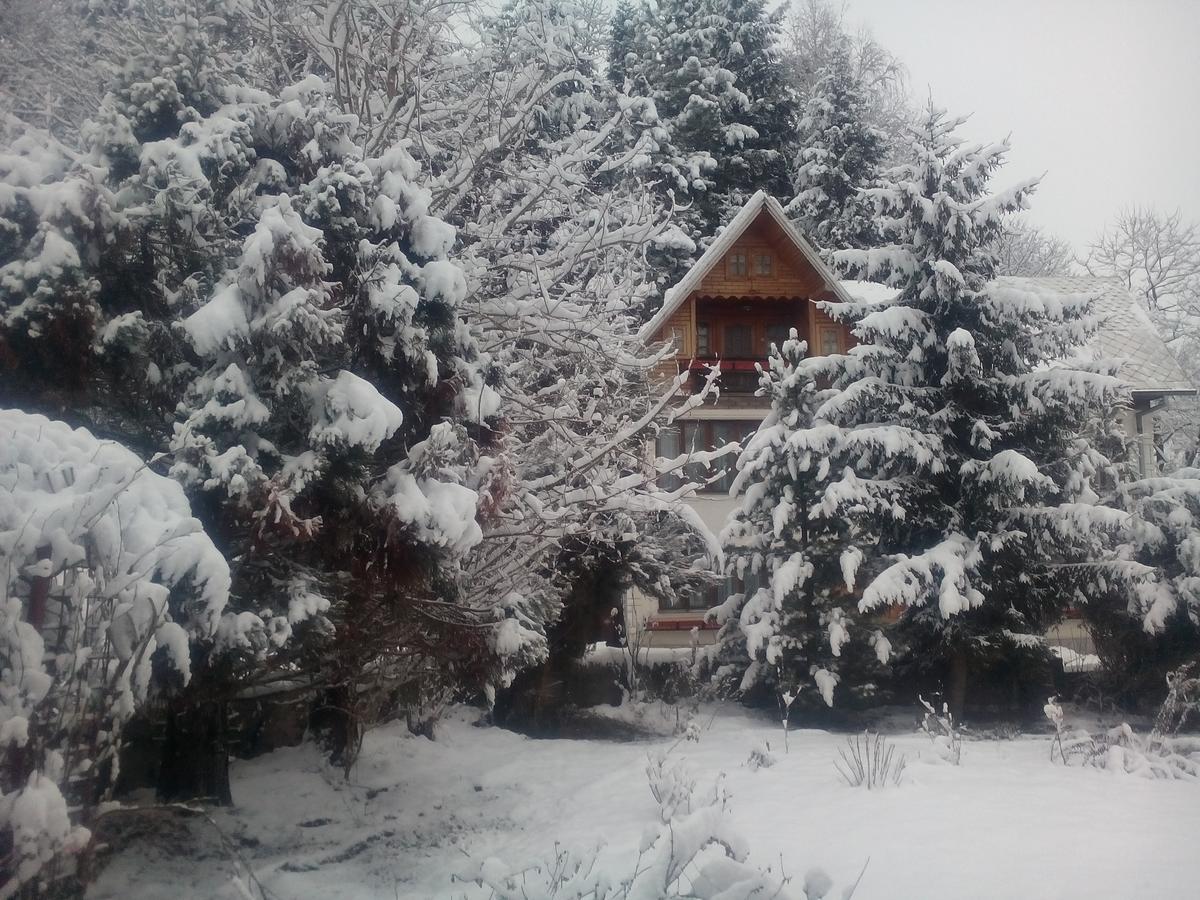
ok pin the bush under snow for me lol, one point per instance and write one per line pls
(105, 572)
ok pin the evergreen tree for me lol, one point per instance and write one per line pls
(622, 31)
(956, 440)
(839, 156)
(795, 552)
(713, 70)
(227, 279)
(1148, 623)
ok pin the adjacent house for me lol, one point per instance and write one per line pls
(760, 278)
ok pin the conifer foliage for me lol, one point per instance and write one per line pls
(961, 398)
(225, 278)
(713, 70)
(951, 446)
(839, 156)
(796, 553)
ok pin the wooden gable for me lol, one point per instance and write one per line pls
(739, 272)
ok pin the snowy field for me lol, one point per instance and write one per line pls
(1005, 824)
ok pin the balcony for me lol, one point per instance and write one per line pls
(738, 376)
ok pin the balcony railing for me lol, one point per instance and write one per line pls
(739, 375)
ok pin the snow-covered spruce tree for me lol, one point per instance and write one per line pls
(959, 426)
(713, 70)
(1146, 629)
(110, 587)
(621, 34)
(798, 554)
(839, 155)
(226, 278)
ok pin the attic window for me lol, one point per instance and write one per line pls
(762, 264)
(735, 264)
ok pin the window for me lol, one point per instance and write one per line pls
(719, 592)
(696, 436)
(678, 339)
(775, 334)
(703, 341)
(735, 264)
(739, 341)
(829, 340)
(762, 264)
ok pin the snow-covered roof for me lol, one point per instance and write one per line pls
(760, 202)
(1126, 333)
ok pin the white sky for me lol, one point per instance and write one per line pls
(1101, 95)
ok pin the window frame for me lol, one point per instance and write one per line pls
(690, 435)
(826, 331)
(745, 327)
(737, 259)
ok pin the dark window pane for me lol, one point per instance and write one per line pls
(668, 444)
(694, 441)
(703, 341)
(723, 433)
(738, 341)
(762, 264)
(739, 382)
(736, 264)
(776, 334)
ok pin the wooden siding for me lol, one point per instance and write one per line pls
(784, 295)
(791, 276)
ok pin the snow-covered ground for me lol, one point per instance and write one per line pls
(1005, 824)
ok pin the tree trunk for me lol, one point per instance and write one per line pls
(195, 760)
(958, 684)
(337, 726)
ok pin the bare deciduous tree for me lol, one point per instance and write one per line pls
(1027, 250)
(1157, 256)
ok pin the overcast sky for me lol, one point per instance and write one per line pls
(1101, 95)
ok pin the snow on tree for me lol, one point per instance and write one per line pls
(226, 277)
(547, 173)
(622, 33)
(41, 42)
(110, 583)
(1145, 628)
(713, 70)
(839, 155)
(960, 424)
(557, 232)
(814, 33)
(798, 555)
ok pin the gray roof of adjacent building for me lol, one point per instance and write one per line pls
(1126, 333)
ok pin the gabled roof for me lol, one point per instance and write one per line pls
(1125, 332)
(760, 202)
